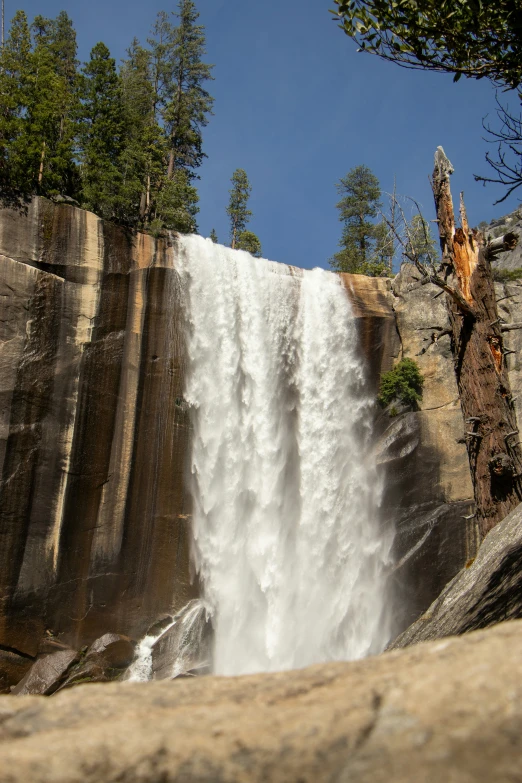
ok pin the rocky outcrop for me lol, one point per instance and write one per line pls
(511, 223)
(372, 303)
(58, 666)
(113, 650)
(443, 711)
(487, 591)
(106, 659)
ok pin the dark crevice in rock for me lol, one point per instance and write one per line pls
(5, 648)
(367, 731)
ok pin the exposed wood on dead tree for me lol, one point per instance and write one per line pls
(492, 437)
(501, 244)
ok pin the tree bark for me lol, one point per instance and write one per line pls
(491, 431)
(41, 167)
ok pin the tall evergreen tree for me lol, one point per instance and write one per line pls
(102, 136)
(167, 198)
(214, 236)
(188, 104)
(136, 134)
(52, 107)
(14, 83)
(237, 209)
(358, 207)
(143, 157)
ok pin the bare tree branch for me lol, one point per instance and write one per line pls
(429, 274)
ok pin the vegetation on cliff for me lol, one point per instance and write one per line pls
(240, 215)
(125, 143)
(404, 383)
(375, 240)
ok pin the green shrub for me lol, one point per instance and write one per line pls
(506, 275)
(404, 382)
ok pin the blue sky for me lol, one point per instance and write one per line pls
(297, 107)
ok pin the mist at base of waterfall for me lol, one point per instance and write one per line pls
(287, 540)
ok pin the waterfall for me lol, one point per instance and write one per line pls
(176, 648)
(287, 540)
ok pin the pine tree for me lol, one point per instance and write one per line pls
(102, 136)
(52, 107)
(14, 78)
(143, 156)
(176, 205)
(39, 101)
(188, 104)
(64, 49)
(358, 208)
(237, 209)
(150, 80)
(248, 241)
(214, 236)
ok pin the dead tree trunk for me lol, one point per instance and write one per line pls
(491, 431)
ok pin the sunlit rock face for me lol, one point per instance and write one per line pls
(93, 516)
(95, 507)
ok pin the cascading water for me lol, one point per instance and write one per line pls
(288, 546)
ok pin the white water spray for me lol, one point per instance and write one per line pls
(183, 646)
(292, 558)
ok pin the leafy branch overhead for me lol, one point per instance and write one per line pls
(474, 38)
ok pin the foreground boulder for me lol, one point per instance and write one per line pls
(445, 711)
(487, 592)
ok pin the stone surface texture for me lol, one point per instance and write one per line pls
(486, 592)
(511, 223)
(93, 438)
(428, 489)
(94, 511)
(115, 650)
(447, 711)
(46, 674)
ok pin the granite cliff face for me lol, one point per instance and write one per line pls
(94, 513)
(93, 518)
(512, 259)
